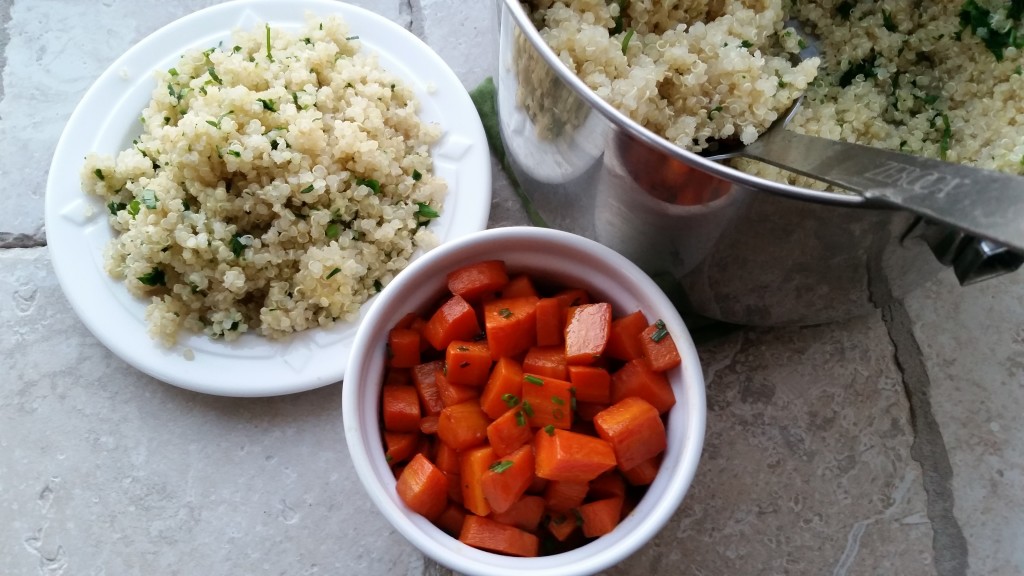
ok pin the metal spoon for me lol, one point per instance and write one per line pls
(984, 203)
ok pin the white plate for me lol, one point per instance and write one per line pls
(106, 120)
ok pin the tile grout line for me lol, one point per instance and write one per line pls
(928, 448)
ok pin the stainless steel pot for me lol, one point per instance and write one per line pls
(726, 245)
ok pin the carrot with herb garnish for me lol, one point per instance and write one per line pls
(507, 478)
(511, 325)
(658, 347)
(504, 388)
(509, 431)
(468, 363)
(547, 401)
(546, 361)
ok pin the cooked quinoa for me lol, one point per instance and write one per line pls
(278, 183)
(940, 79)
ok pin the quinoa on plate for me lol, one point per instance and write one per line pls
(278, 183)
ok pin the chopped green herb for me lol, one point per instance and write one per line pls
(154, 277)
(333, 230)
(185, 207)
(527, 409)
(801, 43)
(377, 286)
(887, 21)
(369, 183)
(549, 429)
(213, 75)
(520, 418)
(173, 72)
(352, 38)
(425, 211)
(237, 248)
(505, 313)
(388, 458)
(235, 153)
(626, 39)
(661, 331)
(99, 174)
(116, 207)
(306, 190)
(618, 19)
(416, 173)
(533, 380)
(133, 207)
(979, 19)
(295, 99)
(332, 273)
(167, 120)
(862, 68)
(268, 104)
(149, 199)
(500, 466)
(236, 49)
(747, 44)
(558, 400)
(269, 55)
(510, 400)
(307, 41)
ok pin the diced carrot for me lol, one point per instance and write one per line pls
(451, 394)
(454, 320)
(643, 473)
(426, 446)
(525, 514)
(397, 376)
(601, 517)
(564, 455)
(447, 458)
(487, 534)
(508, 432)
(547, 401)
(504, 387)
(423, 378)
(462, 426)
(550, 322)
(624, 340)
(635, 378)
(539, 484)
(423, 487)
(400, 446)
(469, 363)
(592, 384)
(454, 486)
(564, 495)
(405, 321)
(659, 349)
(562, 525)
(519, 286)
(401, 408)
(611, 484)
(478, 279)
(634, 429)
(571, 297)
(586, 332)
(585, 411)
(511, 325)
(428, 424)
(419, 324)
(546, 361)
(451, 519)
(473, 465)
(507, 479)
(403, 348)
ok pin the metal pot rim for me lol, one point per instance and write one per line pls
(654, 140)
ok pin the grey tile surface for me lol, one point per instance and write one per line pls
(813, 458)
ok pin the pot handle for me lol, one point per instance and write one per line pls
(973, 259)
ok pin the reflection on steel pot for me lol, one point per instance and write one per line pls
(727, 245)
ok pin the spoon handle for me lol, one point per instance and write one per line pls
(984, 203)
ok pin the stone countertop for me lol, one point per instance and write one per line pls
(887, 444)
